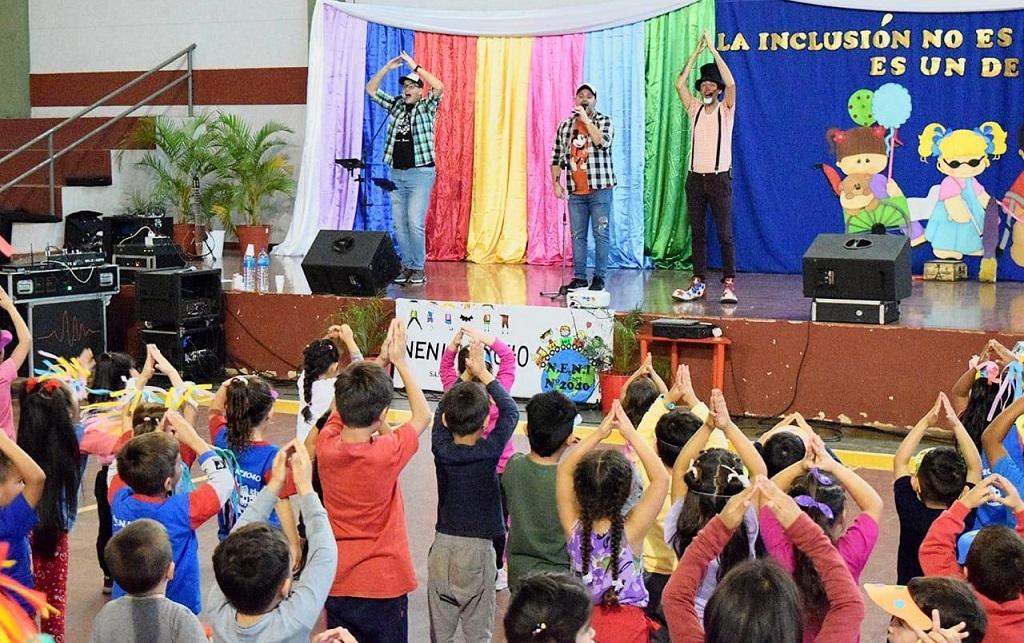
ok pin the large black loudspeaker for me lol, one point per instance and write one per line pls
(346, 262)
(871, 267)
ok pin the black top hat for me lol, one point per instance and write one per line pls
(709, 73)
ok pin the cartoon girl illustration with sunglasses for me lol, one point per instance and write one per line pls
(957, 222)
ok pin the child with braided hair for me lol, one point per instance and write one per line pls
(239, 413)
(320, 365)
(605, 546)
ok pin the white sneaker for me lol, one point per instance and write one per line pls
(501, 580)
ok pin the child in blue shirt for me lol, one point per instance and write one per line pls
(142, 484)
(21, 487)
(239, 413)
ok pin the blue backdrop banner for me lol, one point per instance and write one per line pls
(797, 69)
(382, 44)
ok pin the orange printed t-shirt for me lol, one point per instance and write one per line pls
(579, 154)
(364, 504)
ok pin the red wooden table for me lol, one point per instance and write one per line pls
(718, 360)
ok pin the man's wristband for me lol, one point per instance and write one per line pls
(417, 67)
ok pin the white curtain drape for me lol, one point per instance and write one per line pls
(552, 21)
(921, 6)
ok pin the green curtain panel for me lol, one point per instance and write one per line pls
(670, 39)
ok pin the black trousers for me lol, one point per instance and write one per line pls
(714, 190)
(106, 525)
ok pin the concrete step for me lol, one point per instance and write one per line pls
(16, 131)
(30, 204)
(71, 168)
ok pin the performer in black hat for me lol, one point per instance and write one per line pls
(709, 181)
(409, 150)
(583, 148)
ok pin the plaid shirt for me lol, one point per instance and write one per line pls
(423, 114)
(600, 173)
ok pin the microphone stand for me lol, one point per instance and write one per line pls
(562, 290)
(353, 166)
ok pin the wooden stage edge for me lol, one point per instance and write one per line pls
(778, 361)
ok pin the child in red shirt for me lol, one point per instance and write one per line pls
(359, 458)
(995, 562)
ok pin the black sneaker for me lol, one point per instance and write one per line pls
(416, 277)
(403, 277)
(576, 284)
(597, 283)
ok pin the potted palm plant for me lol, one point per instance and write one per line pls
(184, 150)
(615, 363)
(255, 169)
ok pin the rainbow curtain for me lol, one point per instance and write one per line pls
(503, 100)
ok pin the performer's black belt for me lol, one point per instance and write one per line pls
(710, 173)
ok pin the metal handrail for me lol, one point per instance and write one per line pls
(48, 134)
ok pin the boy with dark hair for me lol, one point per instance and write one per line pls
(469, 515)
(944, 608)
(359, 458)
(536, 542)
(995, 561)
(940, 479)
(139, 558)
(142, 481)
(21, 487)
(255, 599)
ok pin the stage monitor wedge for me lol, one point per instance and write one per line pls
(872, 267)
(350, 262)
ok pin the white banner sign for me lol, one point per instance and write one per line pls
(553, 347)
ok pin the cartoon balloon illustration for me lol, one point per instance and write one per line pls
(860, 107)
(891, 105)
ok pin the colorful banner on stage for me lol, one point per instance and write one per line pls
(847, 119)
(802, 70)
(551, 345)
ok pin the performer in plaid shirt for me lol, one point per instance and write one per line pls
(409, 150)
(583, 148)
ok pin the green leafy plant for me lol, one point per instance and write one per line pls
(626, 356)
(139, 203)
(183, 149)
(252, 166)
(369, 320)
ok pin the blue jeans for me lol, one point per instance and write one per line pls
(409, 213)
(593, 209)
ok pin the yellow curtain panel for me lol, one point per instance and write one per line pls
(497, 224)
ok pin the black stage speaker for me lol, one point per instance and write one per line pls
(173, 297)
(347, 262)
(873, 267)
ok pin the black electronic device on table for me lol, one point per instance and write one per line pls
(51, 279)
(684, 329)
(176, 297)
(160, 252)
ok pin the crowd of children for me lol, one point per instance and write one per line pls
(691, 532)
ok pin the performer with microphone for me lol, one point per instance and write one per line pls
(409, 150)
(583, 148)
(709, 181)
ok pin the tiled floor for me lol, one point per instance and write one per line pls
(419, 488)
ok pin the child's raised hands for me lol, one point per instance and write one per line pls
(1010, 496)
(939, 634)
(179, 427)
(396, 348)
(682, 387)
(778, 502)
(720, 410)
(622, 421)
(608, 423)
(734, 510)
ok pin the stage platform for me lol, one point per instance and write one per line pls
(778, 361)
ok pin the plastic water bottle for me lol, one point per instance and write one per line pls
(263, 271)
(249, 268)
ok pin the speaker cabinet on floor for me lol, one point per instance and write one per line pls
(349, 262)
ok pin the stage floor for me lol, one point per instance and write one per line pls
(966, 305)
